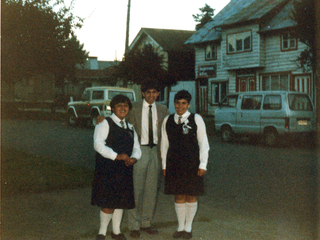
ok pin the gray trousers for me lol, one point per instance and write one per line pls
(146, 174)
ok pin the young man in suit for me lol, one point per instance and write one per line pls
(147, 171)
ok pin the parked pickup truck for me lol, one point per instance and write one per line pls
(95, 101)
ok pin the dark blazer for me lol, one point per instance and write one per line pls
(135, 114)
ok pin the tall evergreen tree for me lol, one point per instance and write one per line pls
(205, 16)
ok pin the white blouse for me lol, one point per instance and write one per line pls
(201, 137)
(101, 133)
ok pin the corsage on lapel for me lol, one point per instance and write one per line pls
(186, 127)
(130, 127)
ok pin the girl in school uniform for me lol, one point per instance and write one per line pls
(184, 153)
(117, 147)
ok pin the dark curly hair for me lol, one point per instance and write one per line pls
(183, 94)
(120, 98)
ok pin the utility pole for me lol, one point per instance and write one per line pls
(127, 32)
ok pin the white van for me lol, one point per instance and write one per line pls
(95, 101)
(270, 114)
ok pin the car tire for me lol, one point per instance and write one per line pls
(72, 119)
(94, 119)
(270, 137)
(226, 134)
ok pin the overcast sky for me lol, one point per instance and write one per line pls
(104, 31)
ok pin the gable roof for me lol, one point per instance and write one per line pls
(236, 12)
(281, 20)
(168, 39)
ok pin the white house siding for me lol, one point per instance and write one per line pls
(277, 61)
(243, 59)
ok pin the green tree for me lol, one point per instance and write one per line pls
(304, 15)
(145, 64)
(205, 16)
(38, 37)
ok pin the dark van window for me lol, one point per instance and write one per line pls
(300, 102)
(251, 102)
(230, 101)
(272, 102)
(97, 95)
(85, 96)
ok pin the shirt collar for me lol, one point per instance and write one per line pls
(184, 116)
(116, 119)
(146, 104)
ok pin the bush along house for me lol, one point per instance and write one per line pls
(248, 46)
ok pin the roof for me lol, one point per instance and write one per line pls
(281, 20)
(168, 39)
(237, 12)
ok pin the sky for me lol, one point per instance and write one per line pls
(104, 29)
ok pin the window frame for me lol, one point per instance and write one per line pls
(236, 40)
(271, 80)
(221, 95)
(288, 40)
(213, 48)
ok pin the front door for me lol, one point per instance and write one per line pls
(202, 96)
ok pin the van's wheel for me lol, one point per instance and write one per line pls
(94, 119)
(72, 119)
(270, 137)
(226, 134)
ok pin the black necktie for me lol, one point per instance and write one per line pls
(122, 124)
(150, 127)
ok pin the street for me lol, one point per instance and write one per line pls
(253, 187)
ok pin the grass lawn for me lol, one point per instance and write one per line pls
(26, 173)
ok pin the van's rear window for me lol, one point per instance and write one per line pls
(299, 102)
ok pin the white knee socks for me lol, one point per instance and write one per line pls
(191, 209)
(181, 215)
(104, 222)
(105, 219)
(116, 221)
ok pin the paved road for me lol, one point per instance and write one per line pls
(252, 191)
(53, 139)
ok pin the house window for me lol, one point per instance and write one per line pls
(239, 42)
(275, 82)
(301, 83)
(211, 52)
(288, 42)
(246, 84)
(218, 91)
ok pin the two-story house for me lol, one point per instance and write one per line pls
(178, 58)
(248, 46)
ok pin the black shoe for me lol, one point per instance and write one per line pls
(187, 235)
(120, 236)
(178, 234)
(149, 230)
(100, 237)
(135, 233)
